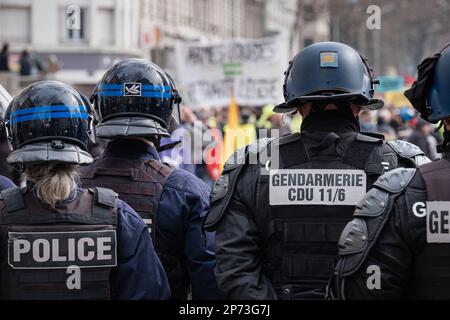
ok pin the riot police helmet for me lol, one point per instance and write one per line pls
(329, 72)
(135, 97)
(49, 121)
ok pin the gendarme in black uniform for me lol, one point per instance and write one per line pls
(277, 226)
(398, 245)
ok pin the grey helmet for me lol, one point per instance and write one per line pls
(134, 98)
(49, 121)
(328, 72)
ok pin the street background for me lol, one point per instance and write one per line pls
(226, 56)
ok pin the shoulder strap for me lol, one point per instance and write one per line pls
(409, 152)
(373, 135)
(437, 187)
(289, 138)
(220, 198)
(14, 205)
(164, 170)
(294, 151)
(13, 199)
(363, 154)
(222, 191)
(104, 207)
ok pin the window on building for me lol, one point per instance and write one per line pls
(106, 26)
(10, 30)
(74, 25)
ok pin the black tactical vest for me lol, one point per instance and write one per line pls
(300, 240)
(140, 184)
(63, 253)
(431, 276)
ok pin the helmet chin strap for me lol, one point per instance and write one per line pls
(443, 148)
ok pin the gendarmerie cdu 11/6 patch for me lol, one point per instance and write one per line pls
(60, 250)
(438, 221)
(317, 187)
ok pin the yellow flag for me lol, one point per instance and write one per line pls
(397, 99)
(231, 136)
(233, 114)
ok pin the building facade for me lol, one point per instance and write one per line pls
(85, 36)
(302, 22)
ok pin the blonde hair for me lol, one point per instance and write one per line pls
(53, 182)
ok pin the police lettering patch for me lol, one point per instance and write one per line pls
(149, 223)
(438, 221)
(59, 250)
(317, 187)
(329, 60)
(132, 89)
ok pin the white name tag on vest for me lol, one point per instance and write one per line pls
(438, 221)
(327, 187)
(59, 250)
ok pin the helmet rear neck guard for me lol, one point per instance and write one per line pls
(134, 126)
(50, 151)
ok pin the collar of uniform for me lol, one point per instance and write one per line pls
(74, 194)
(131, 149)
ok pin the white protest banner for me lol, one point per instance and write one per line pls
(252, 69)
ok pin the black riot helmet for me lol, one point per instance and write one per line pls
(328, 72)
(430, 94)
(134, 98)
(49, 121)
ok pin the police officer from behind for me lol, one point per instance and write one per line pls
(136, 102)
(277, 226)
(398, 245)
(59, 241)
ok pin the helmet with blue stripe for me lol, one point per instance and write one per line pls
(49, 121)
(134, 98)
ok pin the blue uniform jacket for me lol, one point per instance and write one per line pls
(5, 183)
(184, 202)
(139, 273)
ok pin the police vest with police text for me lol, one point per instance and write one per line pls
(63, 253)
